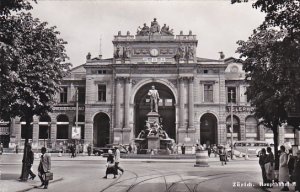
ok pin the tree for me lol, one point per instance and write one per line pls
(271, 61)
(7, 6)
(33, 63)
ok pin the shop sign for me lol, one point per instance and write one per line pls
(240, 109)
(67, 108)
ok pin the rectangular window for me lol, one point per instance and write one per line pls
(81, 95)
(44, 132)
(231, 94)
(101, 92)
(64, 95)
(208, 93)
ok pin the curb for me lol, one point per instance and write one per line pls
(35, 187)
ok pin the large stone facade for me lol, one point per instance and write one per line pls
(194, 91)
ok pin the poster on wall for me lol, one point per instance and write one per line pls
(76, 132)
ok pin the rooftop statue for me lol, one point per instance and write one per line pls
(166, 31)
(155, 28)
(143, 31)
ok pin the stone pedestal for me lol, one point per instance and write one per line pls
(153, 142)
(153, 116)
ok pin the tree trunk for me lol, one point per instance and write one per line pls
(24, 173)
(275, 132)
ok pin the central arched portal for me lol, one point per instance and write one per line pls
(101, 130)
(166, 108)
(208, 129)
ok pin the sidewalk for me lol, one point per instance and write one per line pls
(18, 186)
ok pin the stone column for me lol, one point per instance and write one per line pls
(35, 132)
(261, 133)
(191, 103)
(126, 101)
(181, 103)
(117, 103)
(281, 133)
(88, 132)
(18, 130)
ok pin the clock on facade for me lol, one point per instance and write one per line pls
(153, 52)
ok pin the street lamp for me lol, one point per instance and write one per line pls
(231, 121)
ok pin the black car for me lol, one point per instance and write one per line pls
(98, 151)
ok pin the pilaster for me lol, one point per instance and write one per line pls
(191, 102)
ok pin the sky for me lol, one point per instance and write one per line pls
(217, 23)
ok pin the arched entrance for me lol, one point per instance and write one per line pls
(251, 128)
(101, 130)
(166, 108)
(236, 128)
(208, 129)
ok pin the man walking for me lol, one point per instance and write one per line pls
(29, 162)
(117, 160)
(44, 167)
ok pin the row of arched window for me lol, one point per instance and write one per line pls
(63, 127)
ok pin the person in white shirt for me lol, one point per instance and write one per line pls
(117, 159)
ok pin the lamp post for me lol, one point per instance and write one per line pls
(231, 122)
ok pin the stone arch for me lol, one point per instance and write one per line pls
(101, 129)
(166, 109)
(143, 82)
(251, 128)
(208, 129)
(236, 126)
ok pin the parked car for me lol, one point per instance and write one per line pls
(98, 151)
(104, 150)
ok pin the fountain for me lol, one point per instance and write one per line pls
(153, 137)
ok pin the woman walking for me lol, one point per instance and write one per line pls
(111, 168)
(283, 168)
(262, 162)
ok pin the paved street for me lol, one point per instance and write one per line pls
(85, 174)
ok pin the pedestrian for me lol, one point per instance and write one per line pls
(110, 165)
(291, 163)
(129, 148)
(44, 167)
(72, 149)
(215, 150)
(89, 149)
(297, 172)
(1, 148)
(29, 162)
(17, 148)
(283, 168)
(209, 150)
(269, 165)
(183, 149)
(117, 160)
(222, 154)
(262, 161)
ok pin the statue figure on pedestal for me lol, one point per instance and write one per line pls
(154, 99)
(155, 28)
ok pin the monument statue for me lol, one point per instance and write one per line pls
(154, 99)
(155, 28)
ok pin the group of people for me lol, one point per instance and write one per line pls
(43, 168)
(289, 168)
(112, 165)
